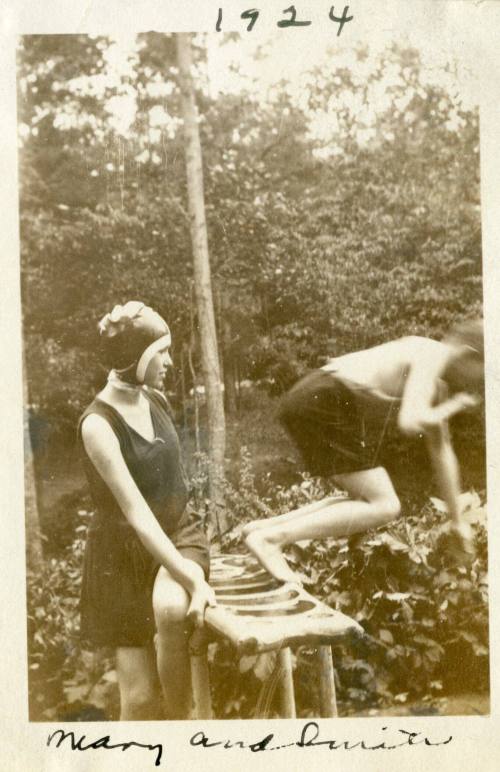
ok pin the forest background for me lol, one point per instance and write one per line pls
(342, 210)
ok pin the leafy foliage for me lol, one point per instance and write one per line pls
(319, 244)
(426, 617)
(65, 682)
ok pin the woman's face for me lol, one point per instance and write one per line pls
(157, 367)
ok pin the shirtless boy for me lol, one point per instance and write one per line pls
(337, 416)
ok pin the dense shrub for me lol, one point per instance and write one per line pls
(64, 681)
(312, 252)
(425, 616)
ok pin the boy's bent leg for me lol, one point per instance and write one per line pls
(373, 502)
(268, 522)
(373, 487)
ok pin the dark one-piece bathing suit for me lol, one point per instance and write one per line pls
(119, 572)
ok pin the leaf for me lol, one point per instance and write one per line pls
(100, 696)
(397, 597)
(395, 545)
(246, 663)
(469, 500)
(467, 636)
(88, 659)
(75, 693)
(265, 665)
(439, 505)
(386, 636)
(407, 612)
(477, 515)
(443, 578)
(428, 642)
(434, 655)
(110, 677)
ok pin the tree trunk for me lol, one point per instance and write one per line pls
(194, 380)
(230, 385)
(229, 363)
(202, 277)
(34, 552)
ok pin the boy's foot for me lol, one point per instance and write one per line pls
(242, 531)
(253, 525)
(271, 557)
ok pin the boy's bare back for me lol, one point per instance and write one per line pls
(384, 369)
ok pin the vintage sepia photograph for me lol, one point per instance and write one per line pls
(253, 368)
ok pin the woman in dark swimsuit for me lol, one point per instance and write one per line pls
(146, 561)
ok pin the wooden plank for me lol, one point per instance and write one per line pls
(257, 613)
(258, 598)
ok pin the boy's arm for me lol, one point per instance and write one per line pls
(420, 415)
(427, 362)
(419, 412)
(446, 470)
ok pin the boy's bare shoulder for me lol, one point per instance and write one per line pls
(416, 340)
(415, 345)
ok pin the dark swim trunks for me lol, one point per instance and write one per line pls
(337, 426)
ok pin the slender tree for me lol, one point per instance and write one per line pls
(202, 275)
(34, 552)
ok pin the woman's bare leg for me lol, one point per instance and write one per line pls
(170, 604)
(372, 502)
(138, 683)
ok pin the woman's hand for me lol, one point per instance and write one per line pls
(202, 596)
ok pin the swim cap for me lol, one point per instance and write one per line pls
(130, 335)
